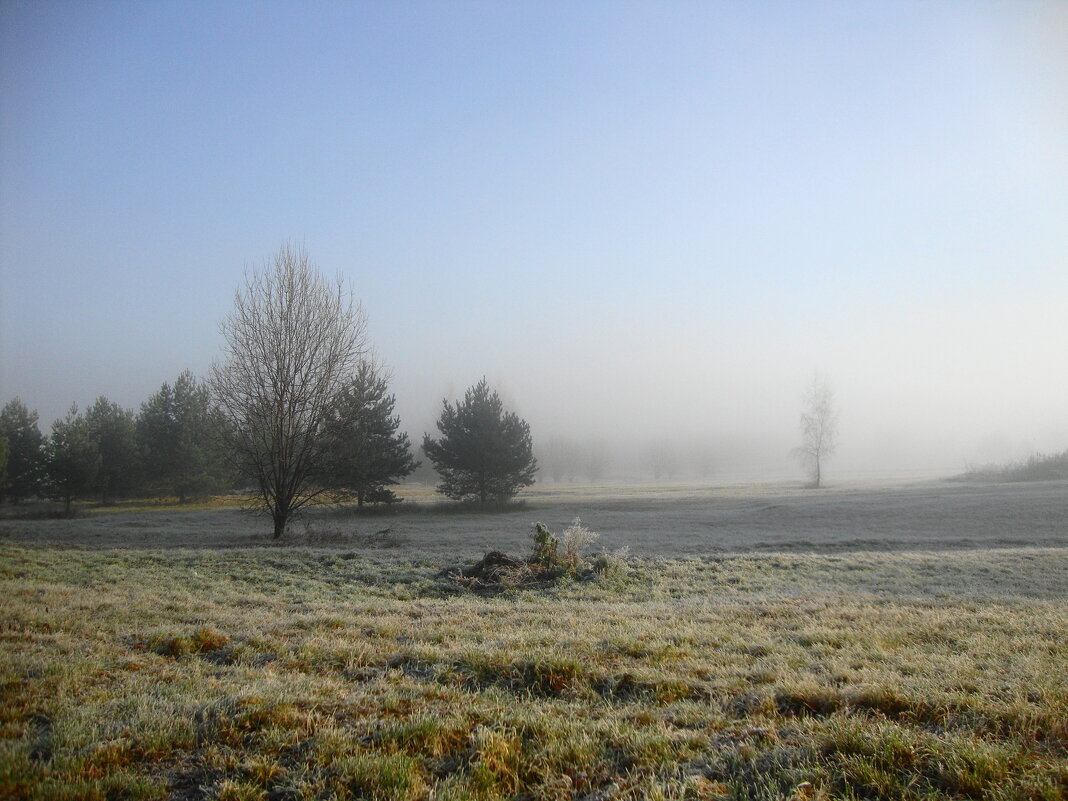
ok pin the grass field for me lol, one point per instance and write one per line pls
(173, 654)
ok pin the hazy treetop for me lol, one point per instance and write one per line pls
(651, 218)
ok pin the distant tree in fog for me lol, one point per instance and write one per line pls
(702, 460)
(424, 473)
(292, 343)
(566, 459)
(366, 450)
(662, 460)
(179, 432)
(484, 452)
(72, 459)
(114, 435)
(24, 452)
(594, 461)
(559, 459)
(819, 428)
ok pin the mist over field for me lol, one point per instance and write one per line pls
(915, 394)
(731, 338)
(648, 240)
(922, 405)
(920, 395)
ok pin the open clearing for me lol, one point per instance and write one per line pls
(893, 641)
(667, 521)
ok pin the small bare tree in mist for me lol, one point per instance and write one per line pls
(662, 460)
(292, 343)
(595, 461)
(559, 459)
(819, 428)
(564, 459)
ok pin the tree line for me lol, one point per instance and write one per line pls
(168, 448)
(297, 410)
(175, 446)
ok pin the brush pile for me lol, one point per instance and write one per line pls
(552, 558)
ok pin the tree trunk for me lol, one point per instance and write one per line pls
(817, 484)
(359, 498)
(67, 498)
(279, 525)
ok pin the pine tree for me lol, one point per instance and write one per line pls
(112, 432)
(484, 453)
(72, 459)
(3, 457)
(158, 438)
(366, 449)
(24, 452)
(177, 431)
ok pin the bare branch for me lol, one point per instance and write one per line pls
(292, 342)
(819, 427)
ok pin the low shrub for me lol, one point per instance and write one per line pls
(1037, 467)
(573, 543)
(552, 558)
(546, 547)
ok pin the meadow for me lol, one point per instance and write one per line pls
(872, 641)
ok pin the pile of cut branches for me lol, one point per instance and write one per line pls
(551, 559)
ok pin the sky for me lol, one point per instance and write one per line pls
(640, 221)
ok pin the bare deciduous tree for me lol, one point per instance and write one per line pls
(292, 342)
(819, 427)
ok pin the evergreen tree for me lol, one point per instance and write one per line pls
(366, 450)
(113, 434)
(484, 452)
(158, 436)
(24, 452)
(71, 458)
(3, 457)
(178, 435)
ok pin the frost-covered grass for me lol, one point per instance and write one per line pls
(292, 673)
(661, 520)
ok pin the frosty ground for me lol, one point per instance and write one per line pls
(870, 640)
(652, 520)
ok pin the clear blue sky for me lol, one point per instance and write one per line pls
(638, 219)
